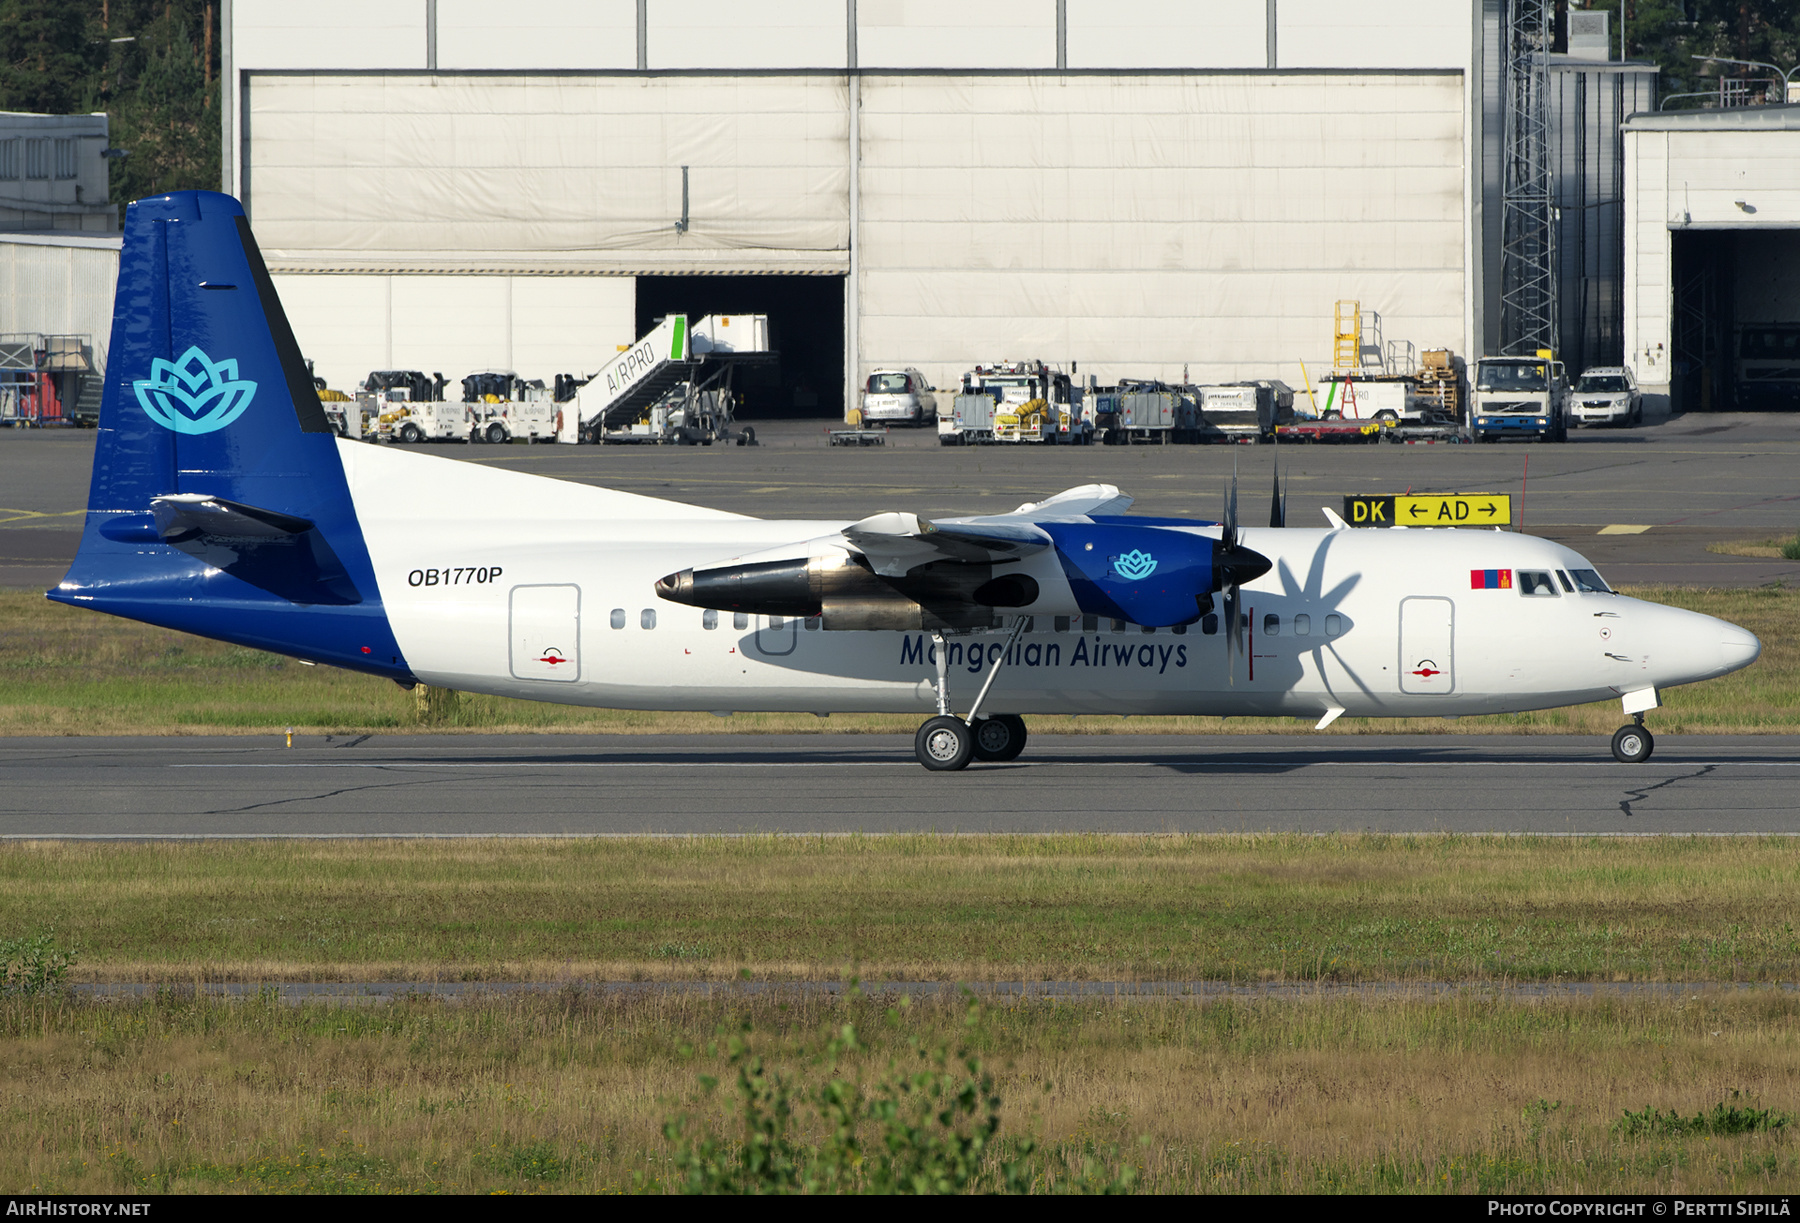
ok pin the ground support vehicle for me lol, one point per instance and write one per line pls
(899, 396)
(690, 413)
(1768, 366)
(1606, 395)
(1520, 397)
(673, 387)
(1306, 429)
(1243, 411)
(347, 415)
(1387, 397)
(858, 437)
(1016, 401)
(501, 406)
(402, 420)
(1143, 411)
(500, 423)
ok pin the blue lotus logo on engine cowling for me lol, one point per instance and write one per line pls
(195, 394)
(1134, 566)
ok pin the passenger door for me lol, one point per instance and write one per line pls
(1427, 636)
(545, 633)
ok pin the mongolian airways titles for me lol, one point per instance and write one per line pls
(918, 650)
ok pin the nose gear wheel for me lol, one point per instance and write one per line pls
(1632, 745)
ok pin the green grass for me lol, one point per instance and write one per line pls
(569, 1092)
(1256, 908)
(67, 671)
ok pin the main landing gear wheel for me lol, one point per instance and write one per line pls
(1000, 738)
(1632, 745)
(944, 744)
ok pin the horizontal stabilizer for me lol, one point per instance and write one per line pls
(182, 516)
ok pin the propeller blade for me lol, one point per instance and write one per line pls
(1277, 503)
(1234, 637)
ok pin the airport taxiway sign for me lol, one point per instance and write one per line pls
(1441, 510)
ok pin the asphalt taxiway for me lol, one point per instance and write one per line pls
(1642, 504)
(566, 785)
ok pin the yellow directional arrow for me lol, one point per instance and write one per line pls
(1447, 510)
(1455, 510)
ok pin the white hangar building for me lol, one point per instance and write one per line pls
(1140, 186)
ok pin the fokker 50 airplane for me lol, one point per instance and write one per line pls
(223, 504)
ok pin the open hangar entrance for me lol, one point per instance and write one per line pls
(1735, 321)
(806, 329)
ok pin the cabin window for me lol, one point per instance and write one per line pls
(1148, 629)
(1536, 584)
(1090, 624)
(812, 624)
(1303, 625)
(1271, 626)
(1062, 624)
(1118, 626)
(740, 620)
(1180, 630)
(709, 619)
(618, 617)
(1209, 624)
(647, 618)
(1334, 624)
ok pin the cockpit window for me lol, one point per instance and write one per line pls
(1588, 582)
(1564, 579)
(1536, 584)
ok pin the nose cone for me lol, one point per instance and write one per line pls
(1737, 648)
(1685, 647)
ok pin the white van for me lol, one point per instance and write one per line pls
(899, 395)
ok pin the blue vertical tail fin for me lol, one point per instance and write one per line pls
(219, 504)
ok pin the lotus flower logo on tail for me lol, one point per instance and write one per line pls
(1134, 566)
(195, 394)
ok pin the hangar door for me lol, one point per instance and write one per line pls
(1736, 324)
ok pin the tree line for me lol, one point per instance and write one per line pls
(151, 65)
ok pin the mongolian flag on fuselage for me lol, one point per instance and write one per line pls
(1490, 579)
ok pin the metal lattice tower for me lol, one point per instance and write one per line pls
(1527, 204)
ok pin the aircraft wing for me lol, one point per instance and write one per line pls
(897, 543)
(1083, 501)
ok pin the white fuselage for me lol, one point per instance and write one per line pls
(520, 586)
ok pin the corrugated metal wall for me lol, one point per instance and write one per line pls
(1589, 105)
(59, 290)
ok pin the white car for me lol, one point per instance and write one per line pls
(1607, 395)
(899, 395)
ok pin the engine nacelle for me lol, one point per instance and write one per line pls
(841, 588)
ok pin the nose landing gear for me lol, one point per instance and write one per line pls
(1633, 744)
